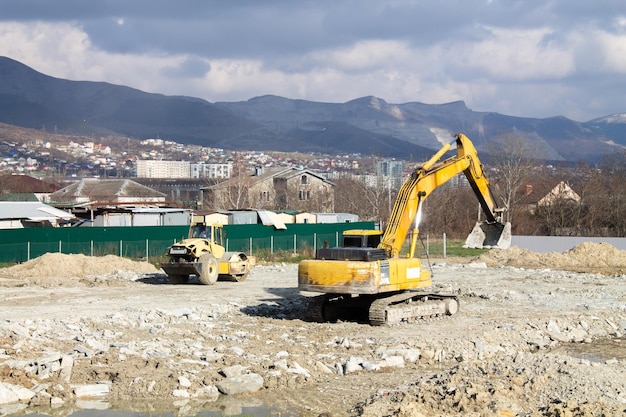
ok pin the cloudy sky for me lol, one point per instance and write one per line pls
(528, 58)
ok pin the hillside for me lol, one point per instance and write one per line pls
(367, 125)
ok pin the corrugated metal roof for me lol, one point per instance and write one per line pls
(104, 189)
(32, 210)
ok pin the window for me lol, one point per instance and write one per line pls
(265, 196)
(304, 195)
(304, 179)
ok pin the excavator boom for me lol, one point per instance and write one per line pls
(426, 179)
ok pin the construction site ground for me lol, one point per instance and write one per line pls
(536, 335)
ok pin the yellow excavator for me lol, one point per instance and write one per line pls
(368, 272)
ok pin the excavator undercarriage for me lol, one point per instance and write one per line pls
(390, 309)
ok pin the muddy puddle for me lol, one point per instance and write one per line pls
(600, 350)
(102, 408)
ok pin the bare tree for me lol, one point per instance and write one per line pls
(606, 202)
(232, 193)
(450, 209)
(353, 195)
(513, 158)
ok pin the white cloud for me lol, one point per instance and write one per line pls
(514, 55)
(515, 67)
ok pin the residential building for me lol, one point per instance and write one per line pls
(147, 168)
(222, 171)
(95, 192)
(163, 169)
(273, 189)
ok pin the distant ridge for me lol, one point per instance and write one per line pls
(366, 125)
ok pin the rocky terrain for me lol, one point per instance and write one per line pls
(537, 335)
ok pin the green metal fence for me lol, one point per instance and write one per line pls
(151, 242)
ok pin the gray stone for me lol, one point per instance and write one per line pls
(281, 364)
(10, 393)
(180, 393)
(323, 368)
(371, 365)
(353, 365)
(67, 363)
(393, 362)
(241, 384)
(208, 393)
(91, 390)
(184, 381)
(234, 371)
(295, 368)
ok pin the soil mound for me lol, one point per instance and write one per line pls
(73, 267)
(587, 257)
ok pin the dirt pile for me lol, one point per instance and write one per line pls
(58, 269)
(600, 258)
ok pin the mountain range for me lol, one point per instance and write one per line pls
(367, 125)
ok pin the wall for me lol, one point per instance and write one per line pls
(544, 244)
(151, 242)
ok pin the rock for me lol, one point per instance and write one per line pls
(237, 350)
(477, 265)
(67, 363)
(208, 393)
(281, 364)
(180, 393)
(184, 382)
(371, 365)
(295, 368)
(325, 369)
(91, 390)
(353, 365)
(393, 362)
(234, 371)
(410, 355)
(245, 383)
(10, 393)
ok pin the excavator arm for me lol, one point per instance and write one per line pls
(406, 213)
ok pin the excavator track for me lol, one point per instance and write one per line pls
(411, 306)
(408, 306)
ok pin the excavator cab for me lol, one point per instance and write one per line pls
(356, 245)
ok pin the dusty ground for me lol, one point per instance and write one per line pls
(537, 335)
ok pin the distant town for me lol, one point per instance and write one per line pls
(46, 155)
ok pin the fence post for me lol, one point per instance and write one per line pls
(120, 248)
(444, 245)
(337, 239)
(147, 253)
(91, 248)
(295, 249)
(250, 246)
(226, 244)
(427, 246)
(28, 251)
(314, 242)
(272, 245)
(60, 251)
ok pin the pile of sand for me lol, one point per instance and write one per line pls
(586, 257)
(59, 265)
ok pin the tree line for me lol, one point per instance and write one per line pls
(518, 183)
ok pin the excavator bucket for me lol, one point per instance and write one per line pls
(489, 235)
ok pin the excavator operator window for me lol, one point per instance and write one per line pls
(353, 241)
(373, 241)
